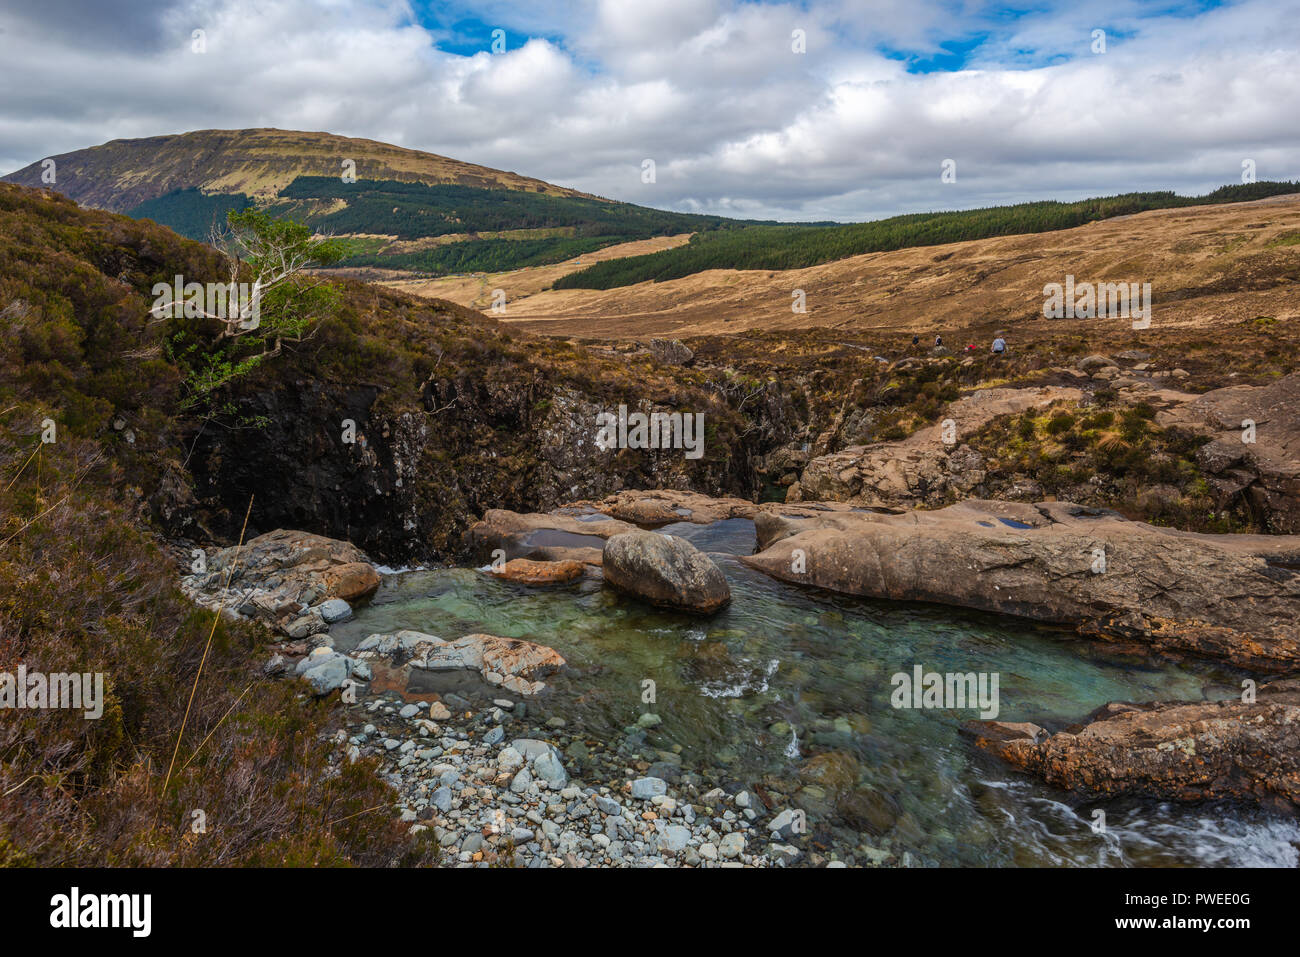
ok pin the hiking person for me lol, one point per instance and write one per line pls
(999, 346)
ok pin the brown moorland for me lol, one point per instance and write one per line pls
(1208, 266)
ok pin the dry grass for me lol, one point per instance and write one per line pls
(1209, 267)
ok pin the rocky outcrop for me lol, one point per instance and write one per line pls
(1232, 598)
(1253, 458)
(927, 466)
(295, 582)
(671, 352)
(1255, 449)
(665, 570)
(1179, 751)
(511, 663)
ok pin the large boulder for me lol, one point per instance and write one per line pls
(1095, 363)
(671, 352)
(1180, 751)
(528, 572)
(1232, 598)
(327, 670)
(665, 570)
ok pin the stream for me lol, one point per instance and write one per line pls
(782, 675)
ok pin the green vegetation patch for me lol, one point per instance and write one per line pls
(1111, 455)
(415, 211)
(191, 212)
(87, 587)
(485, 255)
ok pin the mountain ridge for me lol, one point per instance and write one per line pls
(258, 162)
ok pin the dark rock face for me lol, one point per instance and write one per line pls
(1180, 751)
(665, 571)
(300, 471)
(1232, 598)
(407, 481)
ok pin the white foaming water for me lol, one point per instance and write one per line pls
(792, 749)
(1230, 838)
(1154, 834)
(750, 684)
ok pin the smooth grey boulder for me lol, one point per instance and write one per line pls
(549, 767)
(328, 675)
(334, 609)
(675, 838)
(664, 570)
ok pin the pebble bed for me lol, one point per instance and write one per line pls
(496, 791)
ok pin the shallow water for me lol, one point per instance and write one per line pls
(783, 674)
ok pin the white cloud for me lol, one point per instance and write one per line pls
(710, 89)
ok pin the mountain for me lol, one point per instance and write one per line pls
(404, 210)
(259, 163)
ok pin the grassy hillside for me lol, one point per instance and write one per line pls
(191, 212)
(480, 230)
(413, 210)
(774, 248)
(513, 220)
(86, 585)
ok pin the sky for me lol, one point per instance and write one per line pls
(818, 110)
